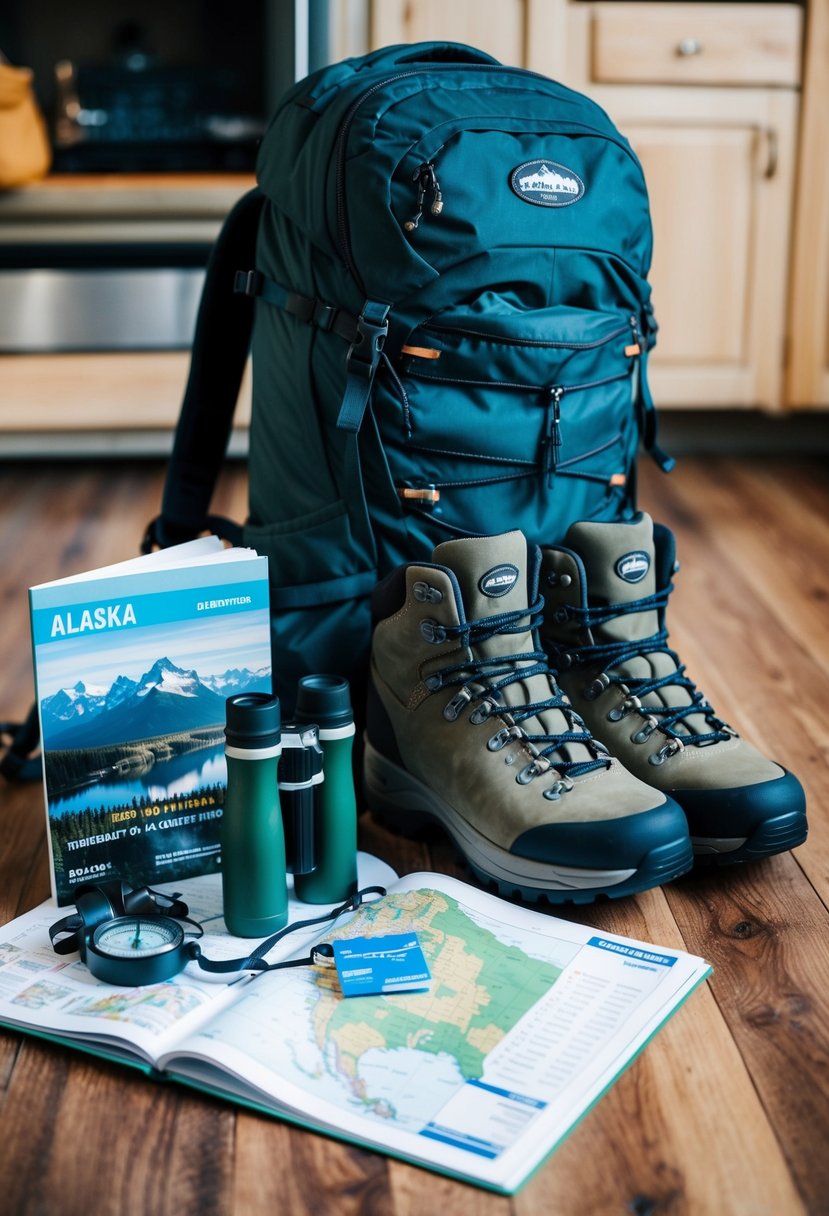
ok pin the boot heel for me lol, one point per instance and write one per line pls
(391, 798)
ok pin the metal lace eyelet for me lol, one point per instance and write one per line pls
(618, 712)
(485, 710)
(432, 632)
(434, 682)
(426, 594)
(502, 737)
(671, 748)
(562, 786)
(454, 708)
(532, 770)
(561, 615)
(597, 687)
(644, 733)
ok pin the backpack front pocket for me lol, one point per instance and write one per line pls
(485, 403)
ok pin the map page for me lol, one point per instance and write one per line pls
(526, 1021)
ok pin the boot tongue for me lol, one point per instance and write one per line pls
(621, 565)
(492, 573)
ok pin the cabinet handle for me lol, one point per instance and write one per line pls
(689, 46)
(772, 152)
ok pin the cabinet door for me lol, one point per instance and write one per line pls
(526, 33)
(808, 362)
(719, 171)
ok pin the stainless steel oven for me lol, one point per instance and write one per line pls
(66, 298)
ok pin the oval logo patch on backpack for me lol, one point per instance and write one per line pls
(499, 580)
(546, 184)
(633, 566)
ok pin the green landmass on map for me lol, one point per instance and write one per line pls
(480, 989)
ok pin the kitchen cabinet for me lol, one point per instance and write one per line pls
(807, 378)
(81, 396)
(708, 95)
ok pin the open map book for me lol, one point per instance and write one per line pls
(527, 1021)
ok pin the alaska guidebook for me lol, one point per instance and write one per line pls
(525, 1021)
(133, 663)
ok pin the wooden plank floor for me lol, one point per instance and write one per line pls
(727, 1110)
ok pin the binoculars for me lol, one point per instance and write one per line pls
(290, 804)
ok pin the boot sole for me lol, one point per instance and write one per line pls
(403, 803)
(777, 834)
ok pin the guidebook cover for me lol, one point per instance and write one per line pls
(133, 664)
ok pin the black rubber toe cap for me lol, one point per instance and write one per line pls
(612, 844)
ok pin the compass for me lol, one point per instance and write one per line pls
(136, 950)
(131, 936)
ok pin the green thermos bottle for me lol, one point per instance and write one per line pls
(326, 701)
(254, 886)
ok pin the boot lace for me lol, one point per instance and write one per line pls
(481, 680)
(614, 654)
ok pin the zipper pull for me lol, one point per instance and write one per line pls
(635, 347)
(553, 441)
(426, 179)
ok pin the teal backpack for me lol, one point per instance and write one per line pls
(443, 271)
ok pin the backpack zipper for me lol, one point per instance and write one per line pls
(426, 179)
(552, 442)
(505, 340)
(341, 145)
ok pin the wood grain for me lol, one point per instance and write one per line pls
(727, 1109)
(733, 45)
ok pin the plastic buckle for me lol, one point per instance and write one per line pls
(372, 329)
(322, 315)
(247, 282)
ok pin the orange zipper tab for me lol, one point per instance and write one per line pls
(422, 352)
(419, 493)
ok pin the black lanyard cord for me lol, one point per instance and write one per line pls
(255, 961)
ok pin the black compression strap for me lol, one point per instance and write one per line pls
(306, 309)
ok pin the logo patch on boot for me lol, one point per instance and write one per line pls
(633, 567)
(546, 184)
(498, 581)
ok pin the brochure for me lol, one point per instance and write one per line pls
(133, 664)
(525, 1020)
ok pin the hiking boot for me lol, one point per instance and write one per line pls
(467, 728)
(606, 589)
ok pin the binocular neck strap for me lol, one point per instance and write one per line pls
(255, 961)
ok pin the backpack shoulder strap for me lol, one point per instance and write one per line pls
(20, 762)
(217, 363)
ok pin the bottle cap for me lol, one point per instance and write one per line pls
(324, 700)
(252, 720)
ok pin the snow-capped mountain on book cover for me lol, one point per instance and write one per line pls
(132, 719)
(166, 700)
